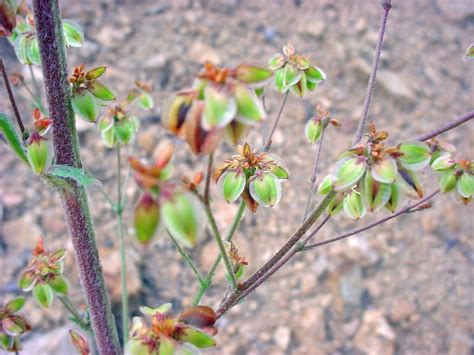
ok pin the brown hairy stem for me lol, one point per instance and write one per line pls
(66, 151)
(6, 81)
(386, 4)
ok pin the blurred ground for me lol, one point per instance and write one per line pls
(404, 288)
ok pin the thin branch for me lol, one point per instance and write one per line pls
(294, 239)
(268, 143)
(314, 174)
(210, 275)
(188, 259)
(207, 187)
(407, 209)
(237, 297)
(446, 127)
(6, 81)
(386, 4)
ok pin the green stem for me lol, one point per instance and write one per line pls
(188, 259)
(220, 245)
(207, 282)
(123, 259)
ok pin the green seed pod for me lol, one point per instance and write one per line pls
(291, 75)
(39, 153)
(447, 181)
(108, 137)
(73, 33)
(249, 107)
(326, 184)
(43, 294)
(235, 131)
(409, 182)
(33, 52)
(196, 337)
(96, 73)
(220, 108)
(146, 218)
(145, 101)
(15, 304)
(85, 105)
(27, 281)
(313, 130)
(415, 155)
(276, 61)
(279, 81)
(167, 346)
(125, 130)
(183, 217)
(100, 91)
(300, 88)
(314, 75)
(385, 170)
(394, 200)
(349, 173)
(335, 206)
(465, 185)
(443, 162)
(265, 189)
(252, 75)
(233, 184)
(353, 205)
(59, 284)
(375, 195)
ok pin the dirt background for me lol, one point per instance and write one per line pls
(404, 288)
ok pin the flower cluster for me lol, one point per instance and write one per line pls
(317, 124)
(162, 200)
(21, 32)
(254, 177)
(44, 275)
(221, 103)
(88, 92)
(12, 325)
(370, 176)
(294, 72)
(191, 330)
(39, 150)
(117, 126)
(456, 175)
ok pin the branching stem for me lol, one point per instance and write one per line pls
(446, 127)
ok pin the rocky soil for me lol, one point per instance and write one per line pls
(404, 288)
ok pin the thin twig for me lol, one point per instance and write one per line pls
(407, 209)
(35, 83)
(371, 84)
(188, 259)
(210, 275)
(268, 266)
(6, 81)
(314, 175)
(268, 143)
(446, 127)
(207, 187)
(236, 298)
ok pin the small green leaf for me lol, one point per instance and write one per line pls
(146, 218)
(95, 73)
(79, 175)
(85, 105)
(73, 33)
(33, 52)
(10, 327)
(415, 155)
(27, 281)
(266, 189)
(349, 173)
(23, 47)
(197, 338)
(233, 184)
(183, 217)
(59, 284)
(465, 185)
(43, 294)
(12, 138)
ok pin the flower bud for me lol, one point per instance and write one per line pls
(265, 189)
(146, 218)
(183, 217)
(81, 344)
(313, 130)
(233, 184)
(95, 73)
(353, 205)
(39, 153)
(415, 155)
